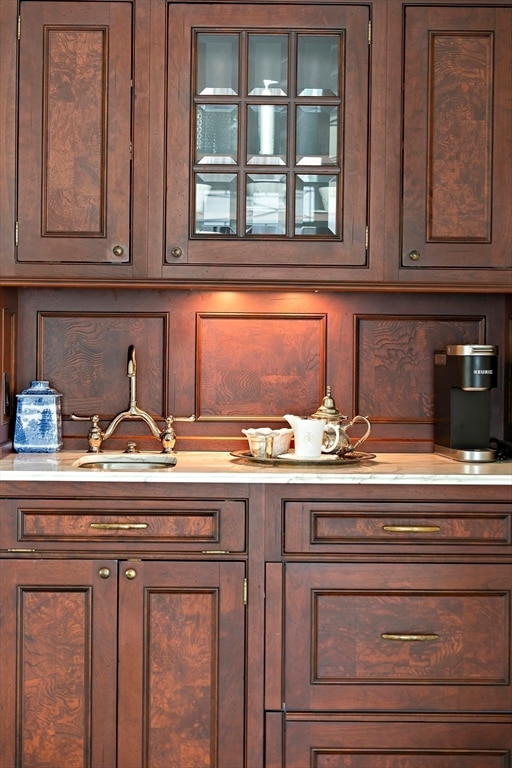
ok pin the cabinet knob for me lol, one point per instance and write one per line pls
(118, 250)
(414, 255)
(131, 573)
(176, 252)
(104, 573)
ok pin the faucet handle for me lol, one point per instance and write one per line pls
(168, 436)
(95, 436)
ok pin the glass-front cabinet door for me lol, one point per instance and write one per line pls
(267, 113)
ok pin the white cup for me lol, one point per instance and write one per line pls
(308, 437)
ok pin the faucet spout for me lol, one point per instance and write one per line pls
(132, 374)
(166, 436)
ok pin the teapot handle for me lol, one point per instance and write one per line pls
(366, 434)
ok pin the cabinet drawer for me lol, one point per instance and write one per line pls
(176, 525)
(394, 636)
(387, 744)
(315, 526)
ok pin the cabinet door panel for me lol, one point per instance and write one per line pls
(74, 133)
(391, 636)
(269, 232)
(385, 744)
(181, 638)
(57, 664)
(457, 184)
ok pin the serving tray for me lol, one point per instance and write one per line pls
(327, 459)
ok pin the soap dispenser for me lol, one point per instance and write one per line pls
(38, 427)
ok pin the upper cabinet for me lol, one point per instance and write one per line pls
(73, 194)
(276, 107)
(457, 129)
(310, 143)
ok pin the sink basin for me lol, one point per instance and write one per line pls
(135, 462)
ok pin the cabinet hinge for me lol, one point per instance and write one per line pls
(366, 238)
(245, 591)
(18, 30)
(16, 233)
(369, 33)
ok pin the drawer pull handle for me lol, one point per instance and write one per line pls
(411, 638)
(412, 528)
(117, 526)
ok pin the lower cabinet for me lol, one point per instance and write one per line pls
(418, 743)
(123, 663)
(389, 631)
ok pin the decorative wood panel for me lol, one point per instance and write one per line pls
(259, 366)
(387, 743)
(58, 689)
(353, 632)
(181, 636)
(456, 131)
(85, 356)
(74, 132)
(394, 362)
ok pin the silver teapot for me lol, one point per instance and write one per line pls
(336, 439)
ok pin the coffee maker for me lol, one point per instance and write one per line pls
(464, 374)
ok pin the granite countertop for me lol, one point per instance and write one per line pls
(222, 467)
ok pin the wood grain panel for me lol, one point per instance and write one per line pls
(352, 633)
(85, 357)
(461, 72)
(181, 633)
(384, 743)
(394, 362)
(258, 366)
(58, 689)
(74, 132)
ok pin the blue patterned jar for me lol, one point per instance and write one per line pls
(38, 426)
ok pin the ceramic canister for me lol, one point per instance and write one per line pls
(38, 426)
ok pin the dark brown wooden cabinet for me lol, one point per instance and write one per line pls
(74, 194)
(457, 124)
(146, 625)
(388, 630)
(233, 143)
(134, 660)
(276, 173)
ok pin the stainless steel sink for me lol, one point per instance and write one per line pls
(135, 462)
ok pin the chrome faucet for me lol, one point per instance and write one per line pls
(97, 436)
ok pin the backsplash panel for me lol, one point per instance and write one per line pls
(394, 362)
(259, 366)
(239, 359)
(85, 357)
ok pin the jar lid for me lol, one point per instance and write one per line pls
(40, 388)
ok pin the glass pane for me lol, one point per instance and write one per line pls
(266, 134)
(215, 203)
(217, 64)
(315, 205)
(266, 204)
(216, 133)
(317, 135)
(318, 59)
(268, 65)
